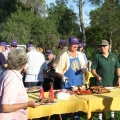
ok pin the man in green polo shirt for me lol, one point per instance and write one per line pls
(104, 65)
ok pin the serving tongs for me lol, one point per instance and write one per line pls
(38, 101)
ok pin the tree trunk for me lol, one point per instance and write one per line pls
(110, 49)
(82, 23)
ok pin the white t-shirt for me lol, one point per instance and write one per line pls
(36, 65)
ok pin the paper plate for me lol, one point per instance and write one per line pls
(110, 88)
(53, 102)
(37, 88)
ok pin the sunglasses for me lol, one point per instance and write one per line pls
(103, 45)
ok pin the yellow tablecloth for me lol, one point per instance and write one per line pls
(73, 104)
(86, 103)
(103, 102)
(88, 76)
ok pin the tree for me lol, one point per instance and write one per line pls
(18, 26)
(7, 7)
(107, 18)
(44, 34)
(64, 18)
(80, 4)
(82, 23)
(38, 6)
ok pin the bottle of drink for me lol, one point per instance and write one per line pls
(51, 93)
(41, 92)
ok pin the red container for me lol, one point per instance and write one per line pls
(51, 93)
(41, 92)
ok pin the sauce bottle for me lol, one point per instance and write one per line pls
(51, 93)
(41, 93)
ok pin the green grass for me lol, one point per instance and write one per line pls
(84, 116)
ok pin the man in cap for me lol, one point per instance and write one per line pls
(62, 48)
(3, 62)
(50, 72)
(13, 44)
(50, 58)
(70, 64)
(80, 49)
(104, 65)
(36, 67)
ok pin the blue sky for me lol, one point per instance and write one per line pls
(86, 9)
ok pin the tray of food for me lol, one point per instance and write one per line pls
(76, 88)
(46, 101)
(84, 92)
(92, 90)
(33, 89)
(99, 90)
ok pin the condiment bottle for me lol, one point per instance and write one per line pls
(51, 93)
(41, 93)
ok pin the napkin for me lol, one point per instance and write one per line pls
(62, 96)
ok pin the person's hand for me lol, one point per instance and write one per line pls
(64, 79)
(99, 79)
(33, 104)
(84, 70)
(119, 81)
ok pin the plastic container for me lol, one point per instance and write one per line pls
(41, 92)
(51, 93)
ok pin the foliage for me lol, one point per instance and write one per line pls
(27, 21)
(107, 19)
(44, 34)
(25, 25)
(64, 18)
(37, 6)
(18, 26)
(94, 36)
(7, 7)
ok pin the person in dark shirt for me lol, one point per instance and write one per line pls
(3, 62)
(104, 65)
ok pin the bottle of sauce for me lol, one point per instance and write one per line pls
(51, 93)
(41, 93)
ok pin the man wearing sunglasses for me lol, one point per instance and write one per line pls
(104, 65)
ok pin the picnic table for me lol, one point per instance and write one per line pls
(87, 103)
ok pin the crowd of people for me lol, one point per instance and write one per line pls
(21, 68)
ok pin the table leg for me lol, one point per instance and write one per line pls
(91, 116)
(48, 118)
(72, 116)
(60, 117)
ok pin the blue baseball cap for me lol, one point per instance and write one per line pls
(14, 43)
(3, 44)
(62, 41)
(80, 45)
(48, 52)
(73, 40)
(30, 45)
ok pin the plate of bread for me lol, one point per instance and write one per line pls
(33, 89)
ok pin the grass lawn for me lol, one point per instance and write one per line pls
(83, 116)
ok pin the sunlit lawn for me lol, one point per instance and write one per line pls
(84, 116)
